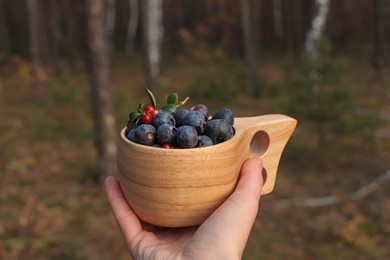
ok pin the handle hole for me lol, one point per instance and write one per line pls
(259, 143)
(264, 173)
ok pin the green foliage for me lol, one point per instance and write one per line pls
(64, 91)
(315, 93)
(219, 84)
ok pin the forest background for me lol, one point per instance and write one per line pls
(65, 65)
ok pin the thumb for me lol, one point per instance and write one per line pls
(251, 181)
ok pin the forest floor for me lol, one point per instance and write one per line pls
(52, 202)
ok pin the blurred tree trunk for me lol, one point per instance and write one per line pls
(36, 43)
(298, 31)
(110, 19)
(287, 25)
(4, 43)
(378, 46)
(249, 50)
(16, 17)
(378, 33)
(292, 24)
(99, 69)
(34, 30)
(278, 20)
(256, 14)
(152, 31)
(132, 26)
(54, 31)
(70, 28)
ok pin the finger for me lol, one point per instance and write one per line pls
(127, 221)
(251, 180)
(233, 220)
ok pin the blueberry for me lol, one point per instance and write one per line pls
(131, 125)
(202, 109)
(145, 134)
(130, 134)
(204, 140)
(166, 134)
(196, 120)
(180, 115)
(163, 117)
(225, 114)
(187, 137)
(219, 130)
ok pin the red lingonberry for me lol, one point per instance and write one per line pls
(149, 108)
(166, 146)
(153, 113)
(146, 119)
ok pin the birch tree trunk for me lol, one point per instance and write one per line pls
(152, 31)
(132, 26)
(314, 36)
(317, 27)
(99, 72)
(311, 49)
(249, 51)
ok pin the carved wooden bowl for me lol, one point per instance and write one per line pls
(182, 187)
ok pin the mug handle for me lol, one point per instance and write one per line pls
(266, 136)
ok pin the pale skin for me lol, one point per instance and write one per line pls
(222, 236)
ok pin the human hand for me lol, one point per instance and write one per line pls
(222, 236)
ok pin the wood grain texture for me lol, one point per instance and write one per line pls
(182, 187)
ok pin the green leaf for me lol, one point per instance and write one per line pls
(133, 116)
(172, 98)
(171, 108)
(152, 98)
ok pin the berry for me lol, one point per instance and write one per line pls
(146, 119)
(163, 117)
(170, 127)
(153, 113)
(166, 146)
(149, 109)
(204, 140)
(219, 130)
(144, 134)
(225, 114)
(131, 125)
(196, 120)
(180, 115)
(130, 134)
(187, 137)
(202, 109)
(166, 134)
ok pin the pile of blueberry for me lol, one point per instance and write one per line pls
(170, 127)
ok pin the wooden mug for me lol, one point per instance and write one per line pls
(182, 187)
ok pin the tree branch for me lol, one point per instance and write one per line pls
(333, 199)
